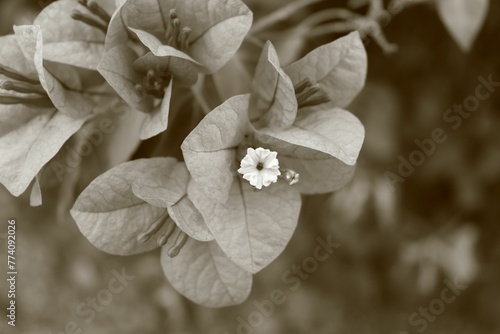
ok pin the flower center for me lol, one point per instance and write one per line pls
(97, 17)
(310, 94)
(155, 82)
(35, 94)
(260, 166)
(163, 228)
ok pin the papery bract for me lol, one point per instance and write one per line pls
(110, 216)
(36, 122)
(73, 101)
(325, 80)
(217, 28)
(205, 275)
(118, 206)
(235, 214)
(152, 45)
(210, 150)
(165, 185)
(339, 68)
(251, 227)
(299, 117)
(138, 193)
(70, 41)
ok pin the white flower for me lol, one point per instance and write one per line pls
(260, 167)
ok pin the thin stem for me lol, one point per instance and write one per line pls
(254, 40)
(376, 6)
(23, 87)
(178, 128)
(329, 15)
(43, 102)
(198, 95)
(387, 47)
(405, 3)
(280, 14)
(332, 28)
(11, 73)
(79, 16)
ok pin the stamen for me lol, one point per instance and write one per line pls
(290, 176)
(175, 23)
(176, 37)
(307, 93)
(157, 85)
(168, 33)
(150, 80)
(43, 102)
(140, 89)
(173, 14)
(94, 7)
(310, 94)
(316, 100)
(152, 229)
(303, 85)
(184, 38)
(8, 72)
(87, 19)
(260, 166)
(180, 241)
(23, 87)
(154, 84)
(163, 238)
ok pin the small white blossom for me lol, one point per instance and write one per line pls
(260, 167)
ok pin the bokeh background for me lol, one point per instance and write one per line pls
(399, 245)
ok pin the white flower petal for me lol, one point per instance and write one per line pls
(270, 158)
(248, 162)
(248, 169)
(252, 154)
(271, 172)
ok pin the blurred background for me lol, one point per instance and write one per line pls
(408, 245)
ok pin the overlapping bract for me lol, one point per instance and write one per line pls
(152, 45)
(214, 228)
(241, 230)
(37, 123)
(320, 142)
(125, 201)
